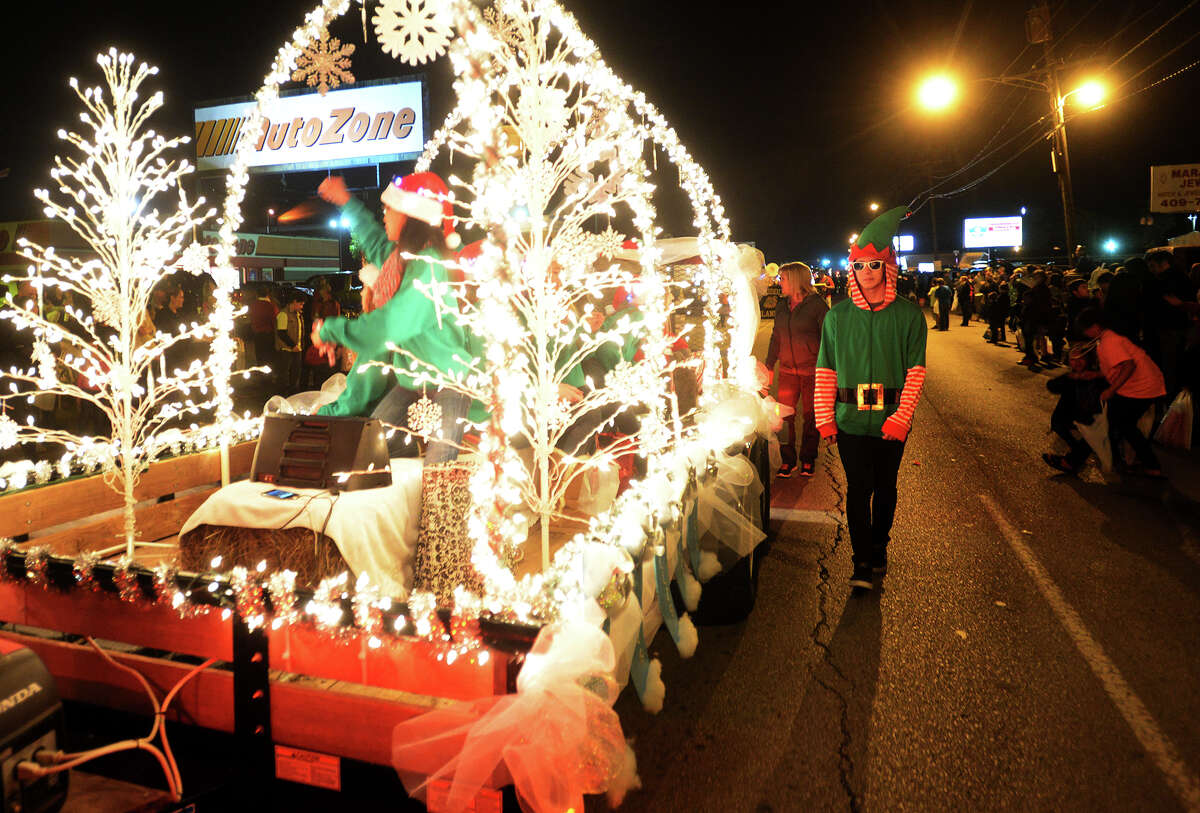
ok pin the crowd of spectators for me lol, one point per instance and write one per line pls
(1132, 324)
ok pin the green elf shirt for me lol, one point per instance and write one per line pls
(861, 347)
(409, 320)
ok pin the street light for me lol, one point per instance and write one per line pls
(874, 207)
(1090, 94)
(853, 237)
(270, 214)
(1111, 246)
(937, 92)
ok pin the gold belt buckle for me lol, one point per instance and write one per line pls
(877, 401)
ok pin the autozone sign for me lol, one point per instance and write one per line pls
(1175, 188)
(359, 125)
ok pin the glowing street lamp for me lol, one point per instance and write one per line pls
(874, 207)
(937, 92)
(1111, 246)
(1089, 94)
(853, 237)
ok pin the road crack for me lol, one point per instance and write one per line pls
(824, 598)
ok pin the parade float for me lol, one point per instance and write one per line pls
(332, 643)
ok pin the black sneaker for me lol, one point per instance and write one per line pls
(807, 468)
(879, 563)
(861, 577)
(786, 470)
(1057, 461)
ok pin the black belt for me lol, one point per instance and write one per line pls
(869, 396)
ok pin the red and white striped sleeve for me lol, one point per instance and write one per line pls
(824, 399)
(899, 422)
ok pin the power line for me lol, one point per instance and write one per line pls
(1149, 36)
(1040, 137)
(1160, 59)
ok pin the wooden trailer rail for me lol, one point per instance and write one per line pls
(294, 686)
(83, 513)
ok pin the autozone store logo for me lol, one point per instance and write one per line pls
(358, 125)
(344, 125)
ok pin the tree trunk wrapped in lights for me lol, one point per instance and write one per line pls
(109, 195)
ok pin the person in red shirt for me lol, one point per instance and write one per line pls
(1134, 384)
(262, 324)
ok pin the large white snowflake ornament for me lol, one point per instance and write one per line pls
(324, 64)
(542, 116)
(10, 432)
(425, 418)
(413, 31)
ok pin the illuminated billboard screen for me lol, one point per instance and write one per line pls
(365, 124)
(991, 232)
(903, 243)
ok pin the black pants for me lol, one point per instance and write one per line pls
(871, 465)
(943, 319)
(1123, 416)
(966, 315)
(1062, 422)
(287, 367)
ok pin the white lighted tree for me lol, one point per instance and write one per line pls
(557, 156)
(104, 353)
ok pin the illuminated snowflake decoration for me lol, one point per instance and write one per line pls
(107, 306)
(10, 432)
(542, 115)
(504, 28)
(413, 31)
(45, 364)
(324, 64)
(195, 260)
(425, 418)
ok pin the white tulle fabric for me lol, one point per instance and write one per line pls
(555, 740)
(307, 403)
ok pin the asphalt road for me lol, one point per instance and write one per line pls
(1034, 647)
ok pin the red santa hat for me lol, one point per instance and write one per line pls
(424, 196)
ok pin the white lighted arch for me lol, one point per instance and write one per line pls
(476, 56)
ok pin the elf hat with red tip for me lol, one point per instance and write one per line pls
(423, 196)
(875, 241)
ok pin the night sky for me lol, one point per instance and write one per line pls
(801, 117)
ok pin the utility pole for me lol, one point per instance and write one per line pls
(1037, 31)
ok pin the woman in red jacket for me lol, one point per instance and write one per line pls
(795, 340)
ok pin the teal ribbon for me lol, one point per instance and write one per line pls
(693, 538)
(639, 670)
(665, 603)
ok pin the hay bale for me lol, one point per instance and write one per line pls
(311, 555)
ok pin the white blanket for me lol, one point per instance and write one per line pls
(375, 529)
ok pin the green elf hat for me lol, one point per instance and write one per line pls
(875, 241)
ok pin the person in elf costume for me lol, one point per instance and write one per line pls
(418, 219)
(870, 371)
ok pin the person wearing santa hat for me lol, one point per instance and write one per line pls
(417, 232)
(870, 372)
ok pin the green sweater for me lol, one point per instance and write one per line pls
(408, 320)
(872, 347)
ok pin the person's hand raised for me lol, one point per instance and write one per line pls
(333, 189)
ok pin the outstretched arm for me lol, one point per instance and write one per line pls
(898, 424)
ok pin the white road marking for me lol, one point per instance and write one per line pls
(1178, 775)
(803, 515)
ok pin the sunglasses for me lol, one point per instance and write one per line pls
(874, 265)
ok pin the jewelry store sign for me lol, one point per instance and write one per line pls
(1175, 188)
